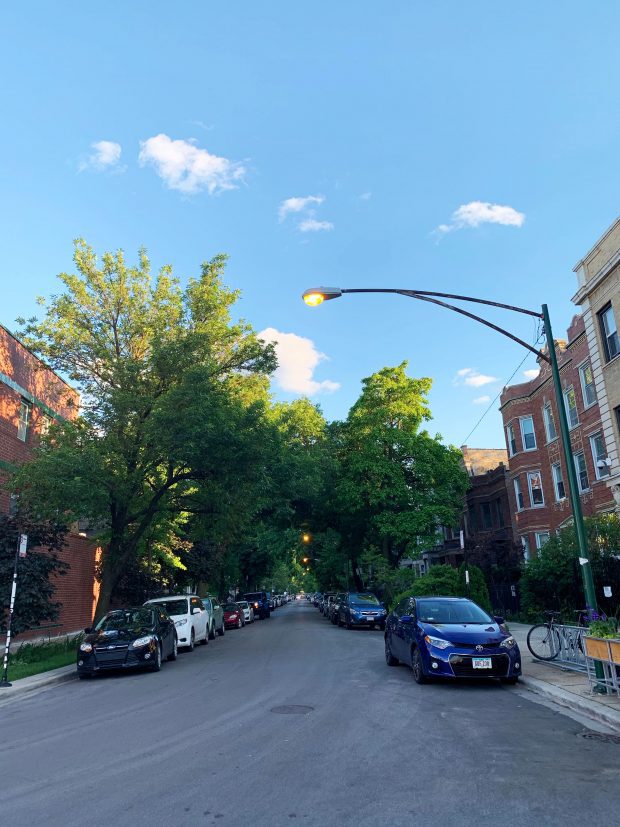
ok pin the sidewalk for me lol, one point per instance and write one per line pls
(563, 686)
(35, 682)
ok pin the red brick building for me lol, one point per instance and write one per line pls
(31, 395)
(538, 487)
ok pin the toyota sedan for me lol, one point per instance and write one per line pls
(450, 637)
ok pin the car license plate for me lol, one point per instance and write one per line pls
(481, 663)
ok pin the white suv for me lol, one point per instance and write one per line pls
(191, 619)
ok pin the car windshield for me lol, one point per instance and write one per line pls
(175, 607)
(451, 611)
(242, 604)
(254, 596)
(126, 620)
(231, 607)
(370, 599)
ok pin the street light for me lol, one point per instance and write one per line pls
(317, 295)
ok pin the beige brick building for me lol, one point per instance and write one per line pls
(598, 295)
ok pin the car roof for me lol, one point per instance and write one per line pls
(442, 597)
(170, 597)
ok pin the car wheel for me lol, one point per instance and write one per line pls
(239, 623)
(221, 631)
(175, 649)
(212, 632)
(511, 681)
(418, 667)
(348, 624)
(389, 657)
(156, 664)
(205, 640)
(192, 641)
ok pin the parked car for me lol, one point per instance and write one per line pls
(214, 607)
(324, 602)
(190, 618)
(140, 637)
(450, 637)
(233, 616)
(248, 611)
(260, 603)
(331, 599)
(361, 609)
(334, 607)
(316, 598)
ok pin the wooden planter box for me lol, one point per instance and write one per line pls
(597, 648)
(614, 649)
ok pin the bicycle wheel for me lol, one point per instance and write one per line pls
(543, 642)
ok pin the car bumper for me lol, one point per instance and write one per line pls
(90, 665)
(462, 663)
(366, 620)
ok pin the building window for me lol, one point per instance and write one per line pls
(587, 385)
(617, 412)
(473, 522)
(558, 482)
(549, 423)
(528, 437)
(582, 472)
(609, 332)
(534, 482)
(599, 455)
(570, 403)
(487, 517)
(519, 494)
(512, 443)
(24, 419)
(525, 545)
(46, 421)
(542, 537)
(500, 512)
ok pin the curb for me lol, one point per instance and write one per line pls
(563, 698)
(34, 682)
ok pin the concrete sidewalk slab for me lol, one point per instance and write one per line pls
(564, 686)
(35, 682)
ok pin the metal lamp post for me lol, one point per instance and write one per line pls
(317, 295)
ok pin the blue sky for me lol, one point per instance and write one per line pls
(188, 127)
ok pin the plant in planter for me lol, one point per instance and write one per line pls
(602, 641)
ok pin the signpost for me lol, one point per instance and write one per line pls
(22, 546)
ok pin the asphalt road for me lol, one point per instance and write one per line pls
(200, 743)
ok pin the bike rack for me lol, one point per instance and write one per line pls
(572, 653)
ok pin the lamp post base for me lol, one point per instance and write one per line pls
(4, 683)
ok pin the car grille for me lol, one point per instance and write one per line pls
(463, 668)
(110, 658)
(469, 645)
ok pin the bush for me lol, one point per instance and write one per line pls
(449, 582)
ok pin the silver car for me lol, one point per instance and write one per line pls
(248, 611)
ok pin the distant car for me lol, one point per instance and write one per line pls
(260, 603)
(334, 607)
(361, 609)
(140, 637)
(248, 611)
(323, 604)
(190, 618)
(450, 637)
(213, 605)
(233, 616)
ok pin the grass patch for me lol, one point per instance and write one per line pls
(34, 658)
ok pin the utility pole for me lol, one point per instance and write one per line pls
(20, 551)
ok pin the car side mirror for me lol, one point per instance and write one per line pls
(406, 619)
(196, 611)
(499, 620)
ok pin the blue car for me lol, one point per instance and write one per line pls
(450, 637)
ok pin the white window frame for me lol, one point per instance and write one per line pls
(603, 471)
(519, 494)
(584, 385)
(512, 442)
(23, 421)
(525, 545)
(609, 332)
(549, 421)
(558, 479)
(530, 475)
(578, 472)
(523, 419)
(568, 409)
(539, 541)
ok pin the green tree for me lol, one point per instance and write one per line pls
(160, 369)
(447, 581)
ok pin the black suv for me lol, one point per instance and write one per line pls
(259, 602)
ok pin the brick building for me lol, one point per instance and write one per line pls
(31, 396)
(538, 488)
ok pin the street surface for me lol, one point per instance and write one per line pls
(198, 743)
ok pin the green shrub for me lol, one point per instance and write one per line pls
(449, 582)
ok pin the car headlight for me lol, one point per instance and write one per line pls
(86, 647)
(508, 643)
(142, 641)
(180, 622)
(437, 642)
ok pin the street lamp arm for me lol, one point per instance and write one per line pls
(537, 314)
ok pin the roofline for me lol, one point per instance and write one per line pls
(38, 358)
(596, 243)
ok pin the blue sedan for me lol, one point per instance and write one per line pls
(450, 637)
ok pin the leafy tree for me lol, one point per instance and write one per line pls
(552, 579)
(34, 602)
(447, 581)
(160, 368)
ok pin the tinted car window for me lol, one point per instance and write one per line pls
(124, 620)
(363, 597)
(177, 606)
(448, 611)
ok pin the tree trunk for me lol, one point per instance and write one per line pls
(109, 579)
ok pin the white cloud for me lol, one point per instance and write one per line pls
(185, 167)
(472, 378)
(298, 204)
(482, 212)
(311, 225)
(106, 155)
(297, 360)
(531, 374)
(482, 400)
(366, 196)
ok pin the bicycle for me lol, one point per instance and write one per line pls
(543, 640)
